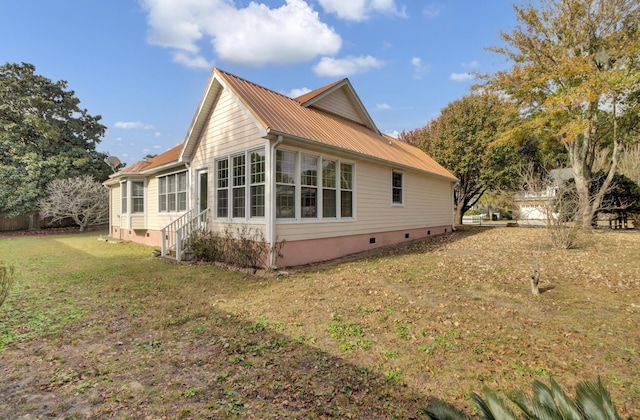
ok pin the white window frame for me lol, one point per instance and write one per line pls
(320, 187)
(163, 197)
(124, 197)
(394, 188)
(134, 198)
(127, 198)
(252, 182)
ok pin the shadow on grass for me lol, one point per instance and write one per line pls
(210, 364)
(145, 340)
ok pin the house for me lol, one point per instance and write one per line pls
(314, 172)
(536, 204)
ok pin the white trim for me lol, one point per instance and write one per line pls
(298, 188)
(247, 187)
(401, 203)
(167, 212)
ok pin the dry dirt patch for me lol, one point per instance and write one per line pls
(369, 337)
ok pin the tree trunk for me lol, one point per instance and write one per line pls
(34, 221)
(457, 220)
(585, 207)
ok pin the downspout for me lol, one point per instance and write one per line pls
(271, 202)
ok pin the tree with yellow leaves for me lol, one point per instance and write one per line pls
(576, 78)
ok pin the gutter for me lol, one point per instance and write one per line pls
(364, 156)
(271, 208)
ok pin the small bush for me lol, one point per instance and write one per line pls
(6, 281)
(592, 401)
(241, 247)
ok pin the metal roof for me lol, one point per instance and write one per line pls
(283, 115)
(298, 120)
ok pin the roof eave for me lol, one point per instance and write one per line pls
(317, 144)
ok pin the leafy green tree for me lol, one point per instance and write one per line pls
(576, 79)
(44, 135)
(463, 140)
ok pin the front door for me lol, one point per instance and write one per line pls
(203, 190)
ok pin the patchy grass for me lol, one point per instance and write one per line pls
(93, 329)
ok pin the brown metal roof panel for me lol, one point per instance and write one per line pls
(286, 115)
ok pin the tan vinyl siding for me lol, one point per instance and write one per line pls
(340, 104)
(255, 230)
(155, 219)
(115, 205)
(228, 130)
(427, 202)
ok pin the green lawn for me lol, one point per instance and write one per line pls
(93, 329)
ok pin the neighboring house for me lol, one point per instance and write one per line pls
(313, 171)
(534, 205)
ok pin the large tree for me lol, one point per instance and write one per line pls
(463, 140)
(576, 78)
(44, 135)
(80, 198)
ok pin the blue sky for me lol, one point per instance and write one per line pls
(143, 65)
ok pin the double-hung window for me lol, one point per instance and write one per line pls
(309, 186)
(123, 197)
(137, 197)
(324, 186)
(346, 190)
(396, 187)
(285, 184)
(239, 168)
(329, 189)
(172, 193)
(240, 185)
(257, 189)
(222, 174)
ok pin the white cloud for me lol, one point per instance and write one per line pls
(191, 61)
(393, 133)
(471, 65)
(431, 11)
(157, 146)
(335, 67)
(294, 93)
(383, 106)
(133, 125)
(359, 10)
(468, 75)
(254, 35)
(419, 69)
(461, 77)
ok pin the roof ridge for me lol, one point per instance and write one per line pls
(305, 97)
(226, 73)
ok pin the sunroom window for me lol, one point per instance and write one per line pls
(172, 193)
(285, 184)
(240, 185)
(309, 186)
(325, 187)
